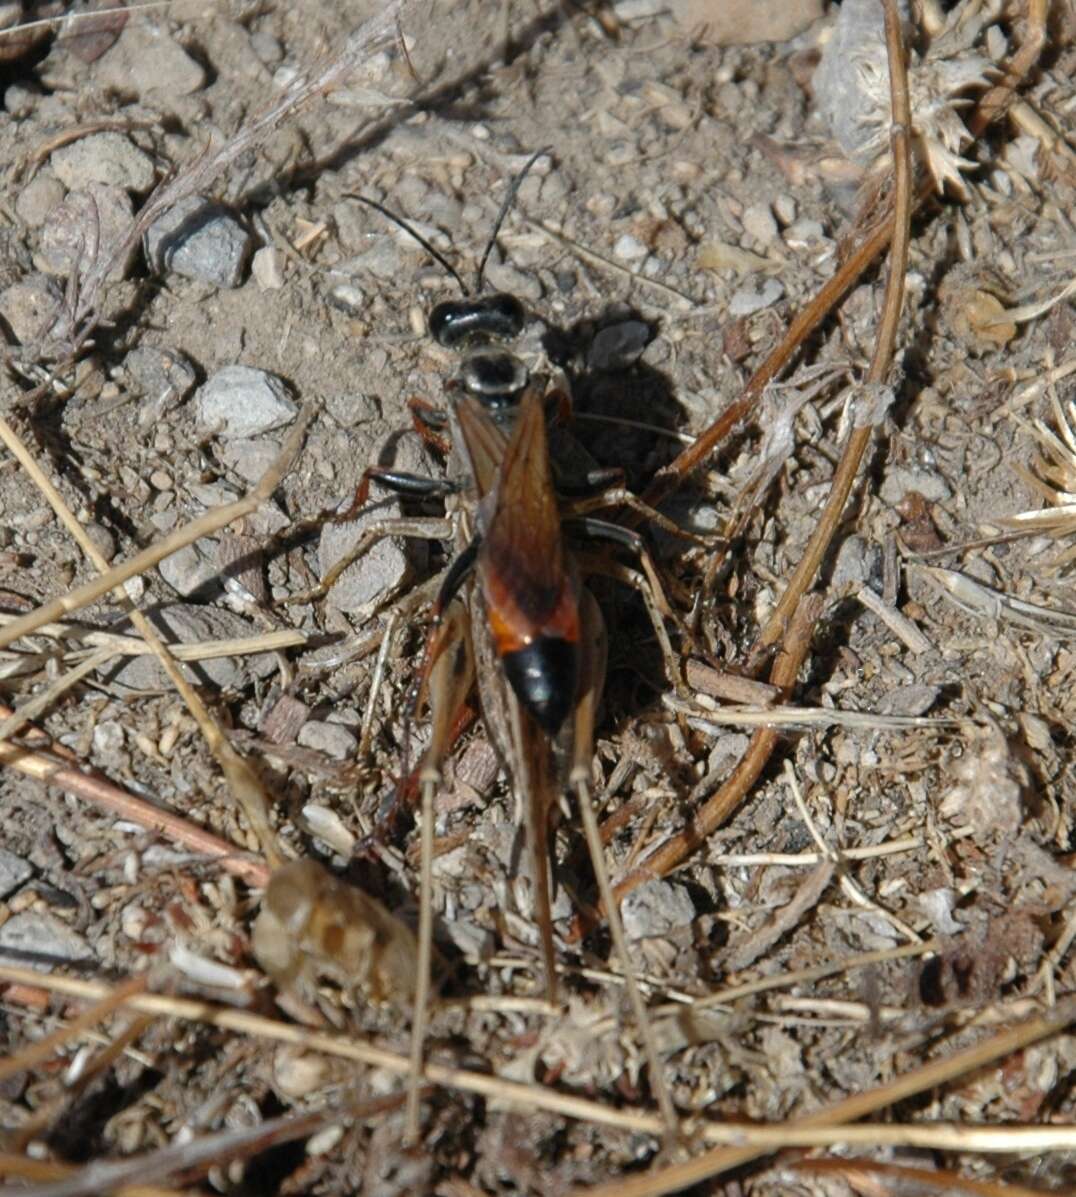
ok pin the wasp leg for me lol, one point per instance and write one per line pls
(451, 676)
(457, 573)
(648, 585)
(416, 529)
(397, 481)
(427, 421)
(596, 483)
(593, 646)
(620, 496)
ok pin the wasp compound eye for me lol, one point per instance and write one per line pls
(496, 317)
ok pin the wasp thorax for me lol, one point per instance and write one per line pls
(493, 374)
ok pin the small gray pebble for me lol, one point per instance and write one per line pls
(502, 277)
(249, 458)
(20, 101)
(266, 48)
(981, 570)
(103, 539)
(13, 872)
(202, 240)
(266, 268)
(909, 700)
(758, 220)
(184, 623)
(103, 158)
(329, 738)
(190, 571)
(349, 298)
(88, 223)
(164, 377)
(656, 908)
(242, 401)
(147, 59)
(751, 297)
(30, 307)
(37, 199)
(353, 408)
(859, 563)
(36, 935)
(629, 248)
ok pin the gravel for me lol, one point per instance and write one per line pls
(104, 158)
(13, 872)
(242, 402)
(201, 240)
(148, 60)
(185, 623)
(86, 223)
(35, 936)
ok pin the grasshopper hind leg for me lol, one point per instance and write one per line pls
(592, 676)
(450, 662)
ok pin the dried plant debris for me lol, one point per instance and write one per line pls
(917, 900)
(1054, 480)
(851, 88)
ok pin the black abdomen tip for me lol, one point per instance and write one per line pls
(543, 676)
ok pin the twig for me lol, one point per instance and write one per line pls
(940, 1180)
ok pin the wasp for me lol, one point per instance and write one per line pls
(512, 615)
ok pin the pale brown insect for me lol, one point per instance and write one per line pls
(313, 925)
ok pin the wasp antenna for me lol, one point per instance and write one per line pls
(401, 223)
(509, 199)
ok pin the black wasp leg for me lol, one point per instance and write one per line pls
(596, 484)
(395, 480)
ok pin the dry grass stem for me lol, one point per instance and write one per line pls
(824, 1128)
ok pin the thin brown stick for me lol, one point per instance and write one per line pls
(796, 629)
(243, 782)
(212, 521)
(738, 785)
(882, 359)
(996, 102)
(199, 1154)
(102, 793)
(875, 242)
(941, 1180)
(871, 244)
(27, 1168)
